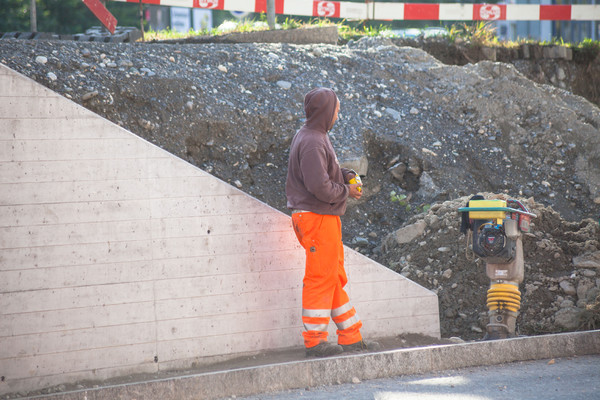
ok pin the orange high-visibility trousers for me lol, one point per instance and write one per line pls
(323, 294)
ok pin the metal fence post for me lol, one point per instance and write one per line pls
(33, 16)
(271, 13)
(142, 20)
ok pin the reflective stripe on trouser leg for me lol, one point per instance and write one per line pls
(342, 312)
(315, 323)
(348, 323)
(324, 278)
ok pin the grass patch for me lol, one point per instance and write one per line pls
(480, 33)
(237, 26)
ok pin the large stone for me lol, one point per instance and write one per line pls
(414, 167)
(583, 288)
(398, 170)
(587, 171)
(567, 318)
(395, 114)
(359, 164)
(427, 187)
(284, 84)
(407, 234)
(592, 295)
(568, 288)
(590, 260)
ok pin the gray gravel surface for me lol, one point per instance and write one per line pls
(576, 378)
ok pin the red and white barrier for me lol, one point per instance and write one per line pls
(105, 17)
(399, 11)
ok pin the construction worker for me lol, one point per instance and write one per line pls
(317, 189)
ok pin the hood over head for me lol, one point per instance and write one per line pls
(319, 106)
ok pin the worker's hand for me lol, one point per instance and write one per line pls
(354, 192)
(350, 175)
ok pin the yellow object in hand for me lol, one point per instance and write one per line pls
(356, 179)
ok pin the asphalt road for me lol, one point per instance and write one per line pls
(573, 378)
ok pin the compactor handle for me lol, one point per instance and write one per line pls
(505, 209)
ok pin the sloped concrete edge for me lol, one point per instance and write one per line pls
(331, 371)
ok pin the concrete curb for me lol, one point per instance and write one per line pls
(326, 35)
(331, 371)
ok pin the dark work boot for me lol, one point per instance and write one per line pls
(324, 349)
(361, 346)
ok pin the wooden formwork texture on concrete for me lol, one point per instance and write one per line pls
(117, 257)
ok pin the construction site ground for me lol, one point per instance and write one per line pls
(288, 374)
(425, 135)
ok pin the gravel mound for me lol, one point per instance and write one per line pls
(425, 136)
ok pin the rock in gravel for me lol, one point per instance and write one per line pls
(407, 233)
(568, 287)
(284, 84)
(567, 318)
(89, 95)
(589, 260)
(147, 71)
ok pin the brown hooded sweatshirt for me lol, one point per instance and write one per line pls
(315, 182)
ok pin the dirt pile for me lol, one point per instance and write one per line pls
(424, 136)
(574, 69)
(561, 269)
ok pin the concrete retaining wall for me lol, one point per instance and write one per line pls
(117, 257)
